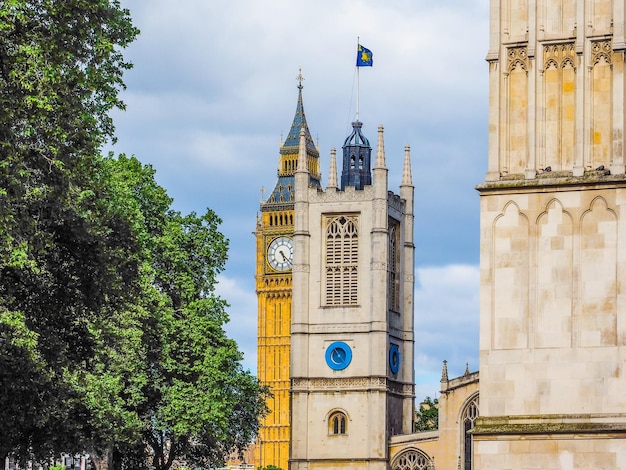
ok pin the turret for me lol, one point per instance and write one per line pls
(357, 155)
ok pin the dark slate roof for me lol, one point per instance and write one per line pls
(283, 192)
(292, 142)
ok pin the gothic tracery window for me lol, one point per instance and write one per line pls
(413, 459)
(468, 420)
(342, 247)
(393, 266)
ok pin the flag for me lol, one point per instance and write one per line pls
(364, 57)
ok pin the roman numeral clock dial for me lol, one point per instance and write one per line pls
(280, 254)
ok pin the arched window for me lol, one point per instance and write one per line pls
(468, 420)
(342, 256)
(393, 265)
(413, 459)
(337, 423)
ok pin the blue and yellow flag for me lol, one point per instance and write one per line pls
(364, 57)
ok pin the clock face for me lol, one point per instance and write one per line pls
(394, 358)
(280, 253)
(338, 355)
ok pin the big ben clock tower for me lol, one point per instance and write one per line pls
(275, 251)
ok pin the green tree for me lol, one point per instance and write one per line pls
(111, 335)
(174, 381)
(427, 415)
(64, 263)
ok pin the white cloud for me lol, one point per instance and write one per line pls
(446, 322)
(213, 86)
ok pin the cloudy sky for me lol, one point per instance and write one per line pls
(214, 88)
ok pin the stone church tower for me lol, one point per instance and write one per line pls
(352, 315)
(553, 212)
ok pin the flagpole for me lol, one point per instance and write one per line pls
(357, 81)
(357, 93)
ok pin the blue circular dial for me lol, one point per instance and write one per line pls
(394, 358)
(338, 355)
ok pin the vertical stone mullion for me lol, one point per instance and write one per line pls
(617, 160)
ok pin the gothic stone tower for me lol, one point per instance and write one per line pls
(352, 318)
(553, 222)
(274, 239)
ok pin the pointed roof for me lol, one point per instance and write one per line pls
(407, 179)
(380, 149)
(283, 193)
(356, 139)
(357, 155)
(332, 173)
(292, 141)
(444, 372)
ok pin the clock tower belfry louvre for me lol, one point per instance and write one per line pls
(275, 249)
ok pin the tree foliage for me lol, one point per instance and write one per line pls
(192, 400)
(63, 262)
(427, 415)
(111, 335)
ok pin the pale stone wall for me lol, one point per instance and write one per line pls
(377, 402)
(556, 87)
(553, 311)
(553, 318)
(555, 452)
(551, 297)
(443, 446)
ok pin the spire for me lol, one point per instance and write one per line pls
(283, 193)
(444, 372)
(299, 122)
(380, 149)
(332, 173)
(407, 179)
(301, 177)
(302, 154)
(357, 155)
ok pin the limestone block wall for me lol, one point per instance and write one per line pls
(559, 452)
(553, 306)
(377, 401)
(556, 72)
(445, 446)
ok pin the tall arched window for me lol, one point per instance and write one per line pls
(393, 265)
(468, 420)
(342, 256)
(337, 423)
(413, 459)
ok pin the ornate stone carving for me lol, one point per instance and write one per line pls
(396, 202)
(601, 50)
(517, 57)
(559, 56)
(301, 268)
(363, 383)
(348, 195)
(379, 266)
(339, 328)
